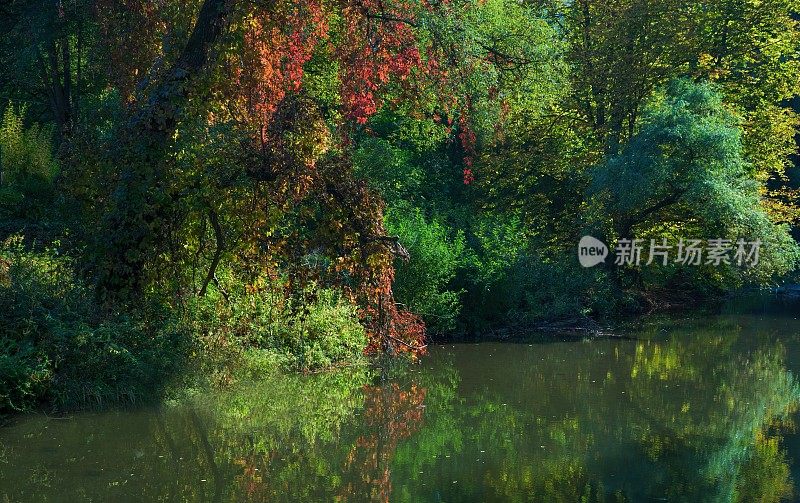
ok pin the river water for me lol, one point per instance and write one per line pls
(696, 409)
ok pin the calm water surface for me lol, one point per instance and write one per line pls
(685, 410)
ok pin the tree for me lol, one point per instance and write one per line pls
(131, 228)
(51, 67)
(684, 172)
(243, 69)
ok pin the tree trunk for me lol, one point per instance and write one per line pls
(130, 233)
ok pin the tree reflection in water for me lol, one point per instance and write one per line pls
(698, 414)
(391, 414)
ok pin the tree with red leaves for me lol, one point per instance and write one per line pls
(247, 63)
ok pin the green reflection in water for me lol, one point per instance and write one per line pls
(688, 412)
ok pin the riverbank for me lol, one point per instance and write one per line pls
(62, 349)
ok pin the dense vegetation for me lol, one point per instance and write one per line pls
(236, 186)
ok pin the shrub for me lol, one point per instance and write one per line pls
(25, 375)
(58, 346)
(515, 281)
(328, 333)
(423, 283)
(540, 289)
(27, 170)
(24, 152)
(266, 331)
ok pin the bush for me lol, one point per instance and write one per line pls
(57, 345)
(423, 283)
(539, 289)
(531, 290)
(266, 331)
(328, 333)
(24, 152)
(25, 375)
(514, 281)
(27, 170)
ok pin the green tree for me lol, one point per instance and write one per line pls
(684, 173)
(423, 282)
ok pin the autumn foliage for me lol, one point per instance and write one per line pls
(393, 414)
(299, 162)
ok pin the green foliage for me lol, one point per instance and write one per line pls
(24, 152)
(688, 150)
(516, 281)
(423, 282)
(389, 168)
(538, 289)
(58, 346)
(221, 192)
(321, 334)
(684, 174)
(506, 55)
(265, 331)
(27, 170)
(25, 375)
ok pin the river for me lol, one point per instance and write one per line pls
(681, 409)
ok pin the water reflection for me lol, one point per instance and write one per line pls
(689, 412)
